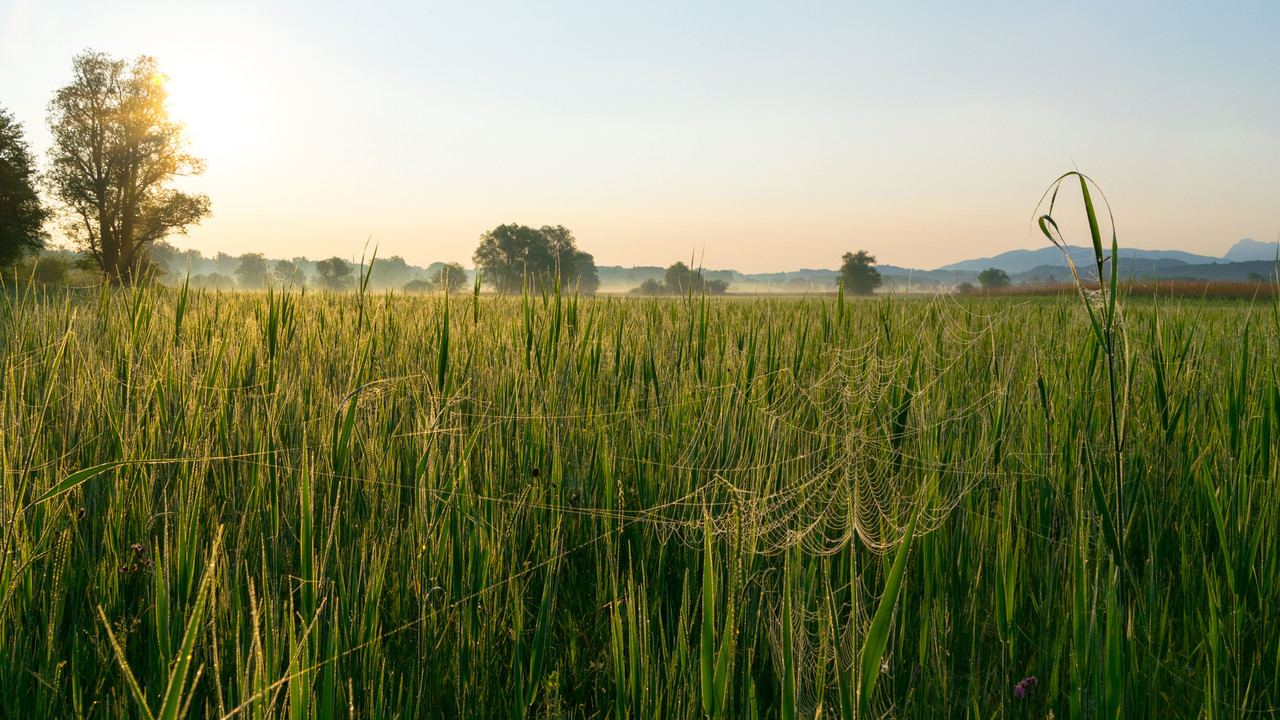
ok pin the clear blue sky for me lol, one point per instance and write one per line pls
(759, 136)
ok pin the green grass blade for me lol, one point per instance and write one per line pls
(178, 676)
(442, 368)
(75, 479)
(1104, 509)
(539, 649)
(1220, 524)
(789, 707)
(139, 697)
(878, 635)
(708, 620)
(344, 427)
(1095, 233)
(720, 682)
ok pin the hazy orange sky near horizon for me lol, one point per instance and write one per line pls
(751, 136)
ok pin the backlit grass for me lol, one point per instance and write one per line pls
(377, 506)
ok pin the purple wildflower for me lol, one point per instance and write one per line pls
(1025, 686)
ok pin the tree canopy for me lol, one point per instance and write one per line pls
(334, 274)
(115, 154)
(650, 287)
(287, 272)
(680, 279)
(858, 274)
(510, 253)
(252, 271)
(166, 257)
(391, 272)
(449, 277)
(22, 216)
(993, 278)
(587, 277)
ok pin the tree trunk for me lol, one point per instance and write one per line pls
(116, 260)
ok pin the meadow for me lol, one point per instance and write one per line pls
(315, 505)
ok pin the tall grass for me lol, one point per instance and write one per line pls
(276, 505)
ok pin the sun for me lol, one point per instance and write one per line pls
(219, 104)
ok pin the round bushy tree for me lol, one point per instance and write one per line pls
(508, 254)
(993, 278)
(858, 274)
(334, 274)
(450, 277)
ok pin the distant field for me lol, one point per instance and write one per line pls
(1188, 289)
(377, 506)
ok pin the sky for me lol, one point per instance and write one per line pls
(747, 135)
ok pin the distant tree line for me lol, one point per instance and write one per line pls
(680, 279)
(254, 271)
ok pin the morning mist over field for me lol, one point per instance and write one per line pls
(755, 137)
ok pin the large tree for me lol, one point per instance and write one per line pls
(858, 274)
(252, 271)
(334, 274)
(576, 268)
(509, 254)
(993, 278)
(21, 214)
(115, 155)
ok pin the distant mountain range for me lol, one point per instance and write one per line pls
(1248, 250)
(1019, 261)
(1247, 259)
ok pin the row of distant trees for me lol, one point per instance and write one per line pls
(509, 258)
(114, 156)
(253, 271)
(858, 276)
(680, 279)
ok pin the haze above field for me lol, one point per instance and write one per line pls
(757, 138)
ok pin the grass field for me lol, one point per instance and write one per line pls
(278, 505)
(1165, 289)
